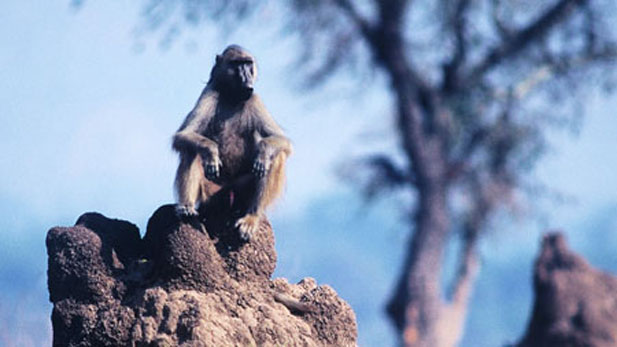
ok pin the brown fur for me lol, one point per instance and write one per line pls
(276, 183)
(230, 130)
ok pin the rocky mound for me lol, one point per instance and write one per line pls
(185, 283)
(575, 305)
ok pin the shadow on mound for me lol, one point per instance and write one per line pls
(187, 282)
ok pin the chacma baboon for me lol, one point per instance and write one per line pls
(229, 140)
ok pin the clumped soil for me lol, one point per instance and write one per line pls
(575, 304)
(190, 282)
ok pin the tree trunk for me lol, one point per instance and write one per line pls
(422, 315)
(417, 305)
(418, 308)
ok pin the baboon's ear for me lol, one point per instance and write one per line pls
(218, 58)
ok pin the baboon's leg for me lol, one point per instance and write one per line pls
(207, 189)
(262, 193)
(252, 194)
(189, 183)
(249, 223)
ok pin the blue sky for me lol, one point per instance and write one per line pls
(88, 104)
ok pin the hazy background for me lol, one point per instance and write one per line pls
(89, 100)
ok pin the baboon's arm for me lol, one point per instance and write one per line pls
(269, 137)
(275, 144)
(190, 135)
(187, 139)
(270, 143)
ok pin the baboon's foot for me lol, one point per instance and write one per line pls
(248, 225)
(185, 211)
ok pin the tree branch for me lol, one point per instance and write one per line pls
(455, 312)
(468, 263)
(334, 58)
(524, 37)
(556, 66)
(466, 273)
(384, 175)
(502, 29)
(451, 68)
(362, 23)
(388, 170)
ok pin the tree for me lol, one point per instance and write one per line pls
(475, 85)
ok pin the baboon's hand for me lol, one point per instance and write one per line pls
(213, 168)
(260, 167)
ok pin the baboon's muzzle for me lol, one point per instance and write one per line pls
(246, 78)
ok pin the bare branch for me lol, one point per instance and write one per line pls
(554, 67)
(468, 269)
(334, 59)
(387, 42)
(474, 223)
(386, 168)
(385, 175)
(362, 23)
(501, 27)
(458, 305)
(377, 174)
(476, 140)
(524, 37)
(418, 119)
(459, 24)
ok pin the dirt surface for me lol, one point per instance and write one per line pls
(575, 304)
(188, 282)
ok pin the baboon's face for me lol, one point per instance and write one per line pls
(235, 73)
(240, 72)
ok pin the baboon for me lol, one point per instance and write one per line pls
(229, 140)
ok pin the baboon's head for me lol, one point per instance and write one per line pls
(234, 73)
